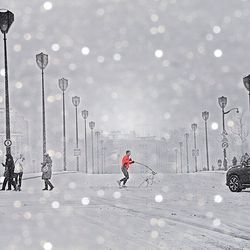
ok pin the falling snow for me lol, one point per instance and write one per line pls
(145, 70)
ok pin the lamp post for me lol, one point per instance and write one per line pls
(195, 151)
(6, 19)
(205, 116)
(42, 62)
(63, 84)
(165, 151)
(92, 126)
(102, 150)
(97, 133)
(246, 81)
(223, 102)
(176, 160)
(186, 137)
(104, 158)
(85, 115)
(76, 102)
(181, 145)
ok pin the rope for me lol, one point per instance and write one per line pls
(153, 172)
(149, 179)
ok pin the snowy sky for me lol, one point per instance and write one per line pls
(148, 65)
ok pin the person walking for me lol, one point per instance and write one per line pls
(18, 172)
(9, 173)
(126, 162)
(6, 177)
(47, 172)
(245, 159)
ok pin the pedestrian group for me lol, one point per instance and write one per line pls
(13, 172)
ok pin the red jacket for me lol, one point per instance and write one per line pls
(126, 161)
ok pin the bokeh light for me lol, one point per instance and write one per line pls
(218, 53)
(47, 5)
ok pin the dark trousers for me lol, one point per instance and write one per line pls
(10, 182)
(126, 175)
(18, 179)
(4, 183)
(48, 183)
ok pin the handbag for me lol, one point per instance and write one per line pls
(45, 169)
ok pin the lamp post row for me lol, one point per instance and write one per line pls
(205, 115)
(63, 85)
(42, 61)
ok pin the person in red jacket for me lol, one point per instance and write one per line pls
(126, 161)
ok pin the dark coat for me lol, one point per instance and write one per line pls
(9, 168)
(47, 169)
(6, 172)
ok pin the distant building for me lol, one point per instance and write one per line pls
(19, 135)
(149, 150)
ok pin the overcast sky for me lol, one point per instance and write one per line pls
(144, 65)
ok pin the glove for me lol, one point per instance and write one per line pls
(132, 162)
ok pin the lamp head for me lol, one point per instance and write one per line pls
(222, 101)
(42, 60)
(246, 81)
(194, 127)
(92, 125)
(97, 133)
(6, 19)
(76, 100)
(85, 114)
(163, 139)
(63, 84)
(205, 115)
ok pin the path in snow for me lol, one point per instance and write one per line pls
(194, 211)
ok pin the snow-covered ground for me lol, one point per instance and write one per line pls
(179, 211)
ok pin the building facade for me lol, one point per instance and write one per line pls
(19, 135)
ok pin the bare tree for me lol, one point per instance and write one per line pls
(240, 131)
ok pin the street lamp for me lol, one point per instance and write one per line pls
(223, 102)
(176, 160)
(42, 62)
(186, 137)
(246, 81)
(85, 115)
(6, 19)
(63, 84)
(205, 116)
(97, 133)
(104, 159)
(92, 126)
(102, 154)
(76, 102)
(181, 145)
(195, 151)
